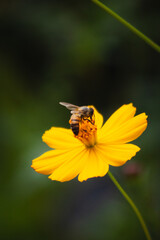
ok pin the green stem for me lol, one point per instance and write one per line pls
(135, 209)
(128, 25)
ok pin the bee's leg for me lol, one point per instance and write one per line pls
(88, 120)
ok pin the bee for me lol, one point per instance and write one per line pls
(78, 113)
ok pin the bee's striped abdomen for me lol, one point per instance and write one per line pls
(74, 123)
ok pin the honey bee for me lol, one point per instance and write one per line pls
(78, 113)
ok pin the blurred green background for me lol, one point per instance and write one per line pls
(72, 51)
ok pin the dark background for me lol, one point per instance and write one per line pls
(73, 51)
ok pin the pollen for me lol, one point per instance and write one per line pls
(87, 132)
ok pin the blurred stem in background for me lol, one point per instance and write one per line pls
(128, 25)
(129, 200)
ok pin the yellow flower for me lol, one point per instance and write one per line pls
(90, 153)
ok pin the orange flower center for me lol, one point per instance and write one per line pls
(87, 132)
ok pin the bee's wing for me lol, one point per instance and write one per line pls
(69, 106)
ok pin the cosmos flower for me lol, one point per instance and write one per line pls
(90, 153)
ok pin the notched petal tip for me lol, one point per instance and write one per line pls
(32, 167)
(53, 179)
(117, 154)
(84, 179)
(123, 126)
(145, 115)
(44, 134)
(130, 104)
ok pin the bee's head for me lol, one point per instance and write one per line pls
(91, 111)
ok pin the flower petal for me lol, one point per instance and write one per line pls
(116, 155)
(94, 166)
(71, 167)
(60, 138)
(98, 118)
(119, 117)
(53, 159)
(126, 132)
